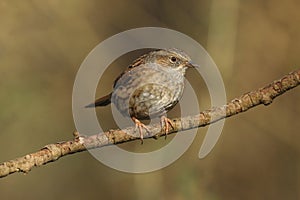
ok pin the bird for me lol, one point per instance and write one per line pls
(151, 86)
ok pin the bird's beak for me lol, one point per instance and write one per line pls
(190, 64)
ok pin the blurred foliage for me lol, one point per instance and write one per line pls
(42, 44)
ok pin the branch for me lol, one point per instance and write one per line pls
(249, 100)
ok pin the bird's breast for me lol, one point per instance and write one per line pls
(144, 92)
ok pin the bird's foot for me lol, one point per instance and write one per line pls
(165, 124)
(139, 125)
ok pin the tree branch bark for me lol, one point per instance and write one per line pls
(52, 152)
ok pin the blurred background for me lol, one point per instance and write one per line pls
(43, 43)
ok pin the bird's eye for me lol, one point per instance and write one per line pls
(173, 59)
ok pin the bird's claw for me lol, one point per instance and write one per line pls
(139, 125)
(165, 124)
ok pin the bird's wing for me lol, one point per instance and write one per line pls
(139, 61)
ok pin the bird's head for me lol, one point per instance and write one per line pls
(173, 59)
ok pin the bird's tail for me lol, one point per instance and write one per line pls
(103, 101)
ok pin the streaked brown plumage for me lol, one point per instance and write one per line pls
(150, 86)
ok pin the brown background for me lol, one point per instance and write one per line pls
(42, 44)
